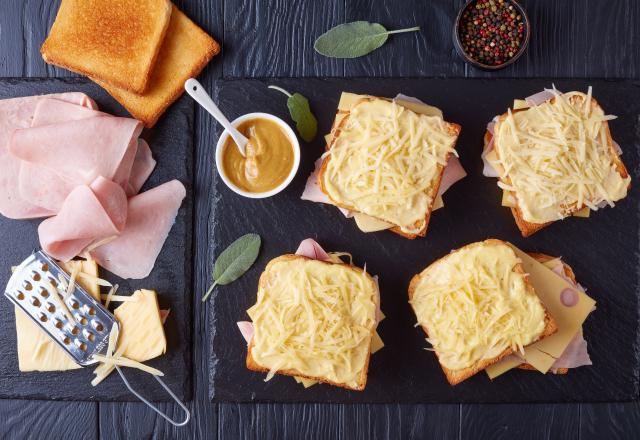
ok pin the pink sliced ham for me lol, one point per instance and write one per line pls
(574, 356)
(246, 328)
(313, 193)
(452, 173)
(81, 150)
(150, 216)
(14, 114)
(164, 314)
(143, 166)
(89, 214)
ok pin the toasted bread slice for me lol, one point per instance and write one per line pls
(186, 50)
(290, 263)
(452, 129)
(528, 228)
(115, 41)
(455, 376)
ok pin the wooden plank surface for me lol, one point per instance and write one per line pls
(580, 38)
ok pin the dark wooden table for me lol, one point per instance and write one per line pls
(581, 38)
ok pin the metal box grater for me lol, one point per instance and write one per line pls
(35, 287)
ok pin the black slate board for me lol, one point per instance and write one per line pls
(171, 141)
(603, 251)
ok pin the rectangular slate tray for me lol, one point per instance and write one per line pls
(603, 251)
(171, 141)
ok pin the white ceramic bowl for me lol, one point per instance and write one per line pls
(294, 144)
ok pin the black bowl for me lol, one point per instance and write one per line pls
(466, 57)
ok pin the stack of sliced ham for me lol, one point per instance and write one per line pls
(63, 159)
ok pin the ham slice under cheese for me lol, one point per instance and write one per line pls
(14, 114)
(150, 216)
(311, 249)
(89, 214)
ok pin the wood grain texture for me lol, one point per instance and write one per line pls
(30, 419)
(276, 38)
(599, 421)
(519, 422)
(320, 421)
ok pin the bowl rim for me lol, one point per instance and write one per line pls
(295, 144)
(468, 59)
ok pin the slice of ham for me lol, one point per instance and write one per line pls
(541, 97)
(81, 150)
(313, 193)
(14, 114)
(311, 249)
(574, 356)
(143, 166)
(90, 214)
(164, 314)
(150, 216)
(452, 173)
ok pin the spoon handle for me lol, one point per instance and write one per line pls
(200, 95)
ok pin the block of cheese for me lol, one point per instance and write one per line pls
(36, 351)
(549, 286)
(141, 331)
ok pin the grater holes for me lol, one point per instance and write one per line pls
(98, 326)
(89, 335)
(44, 292)
(42, 317)
(28, 286)
(66, 340)
(91, 311)
(84, 321)
(51, 308)
(59, 324)
(75, 331)
(35, 276)
(74, 304)
(20, 295)
(81, 345)
(44, 267)
(35, 301)
(53, 282)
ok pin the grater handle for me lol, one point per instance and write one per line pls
(150, 405)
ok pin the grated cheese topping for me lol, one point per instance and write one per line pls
(474, 306)
(557, 158)
(387, 161)
(315, 318)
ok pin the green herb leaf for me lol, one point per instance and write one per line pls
(300, 112)
(355, 39)
(234, 261)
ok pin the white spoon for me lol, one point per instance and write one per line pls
(200, 95)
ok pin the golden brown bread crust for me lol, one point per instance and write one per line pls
(456, 376)
(116, 41)
(454, 129)
(253, 365)
(528, 228)
(186, 50)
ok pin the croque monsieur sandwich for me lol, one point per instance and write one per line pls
(488, 305)
(554, 157)
(385, 162)
(315, 319)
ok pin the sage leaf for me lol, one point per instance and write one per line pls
(234, 261)
(300, 112)
(355, 39)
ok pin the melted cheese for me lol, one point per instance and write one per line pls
(556, 157)
(387, 162)
(474, 306)
(315, 318)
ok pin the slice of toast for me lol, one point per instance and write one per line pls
(116, 41)
(186, 50)
(263, 283)
(453, 129)
(529, 228)
(456, 376)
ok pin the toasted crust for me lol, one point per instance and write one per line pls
(528, 228)
(116, 41)
(454, 129)
(187, 49)
(456, 376)
(253, 365)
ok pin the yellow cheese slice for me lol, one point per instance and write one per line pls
(376, 343)
(584, 212)
(36, 351)
(437, 203)
(501, 367)
(542, 354)
(519, 104)
(508, 199)
(141, 331)
(370, 224)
